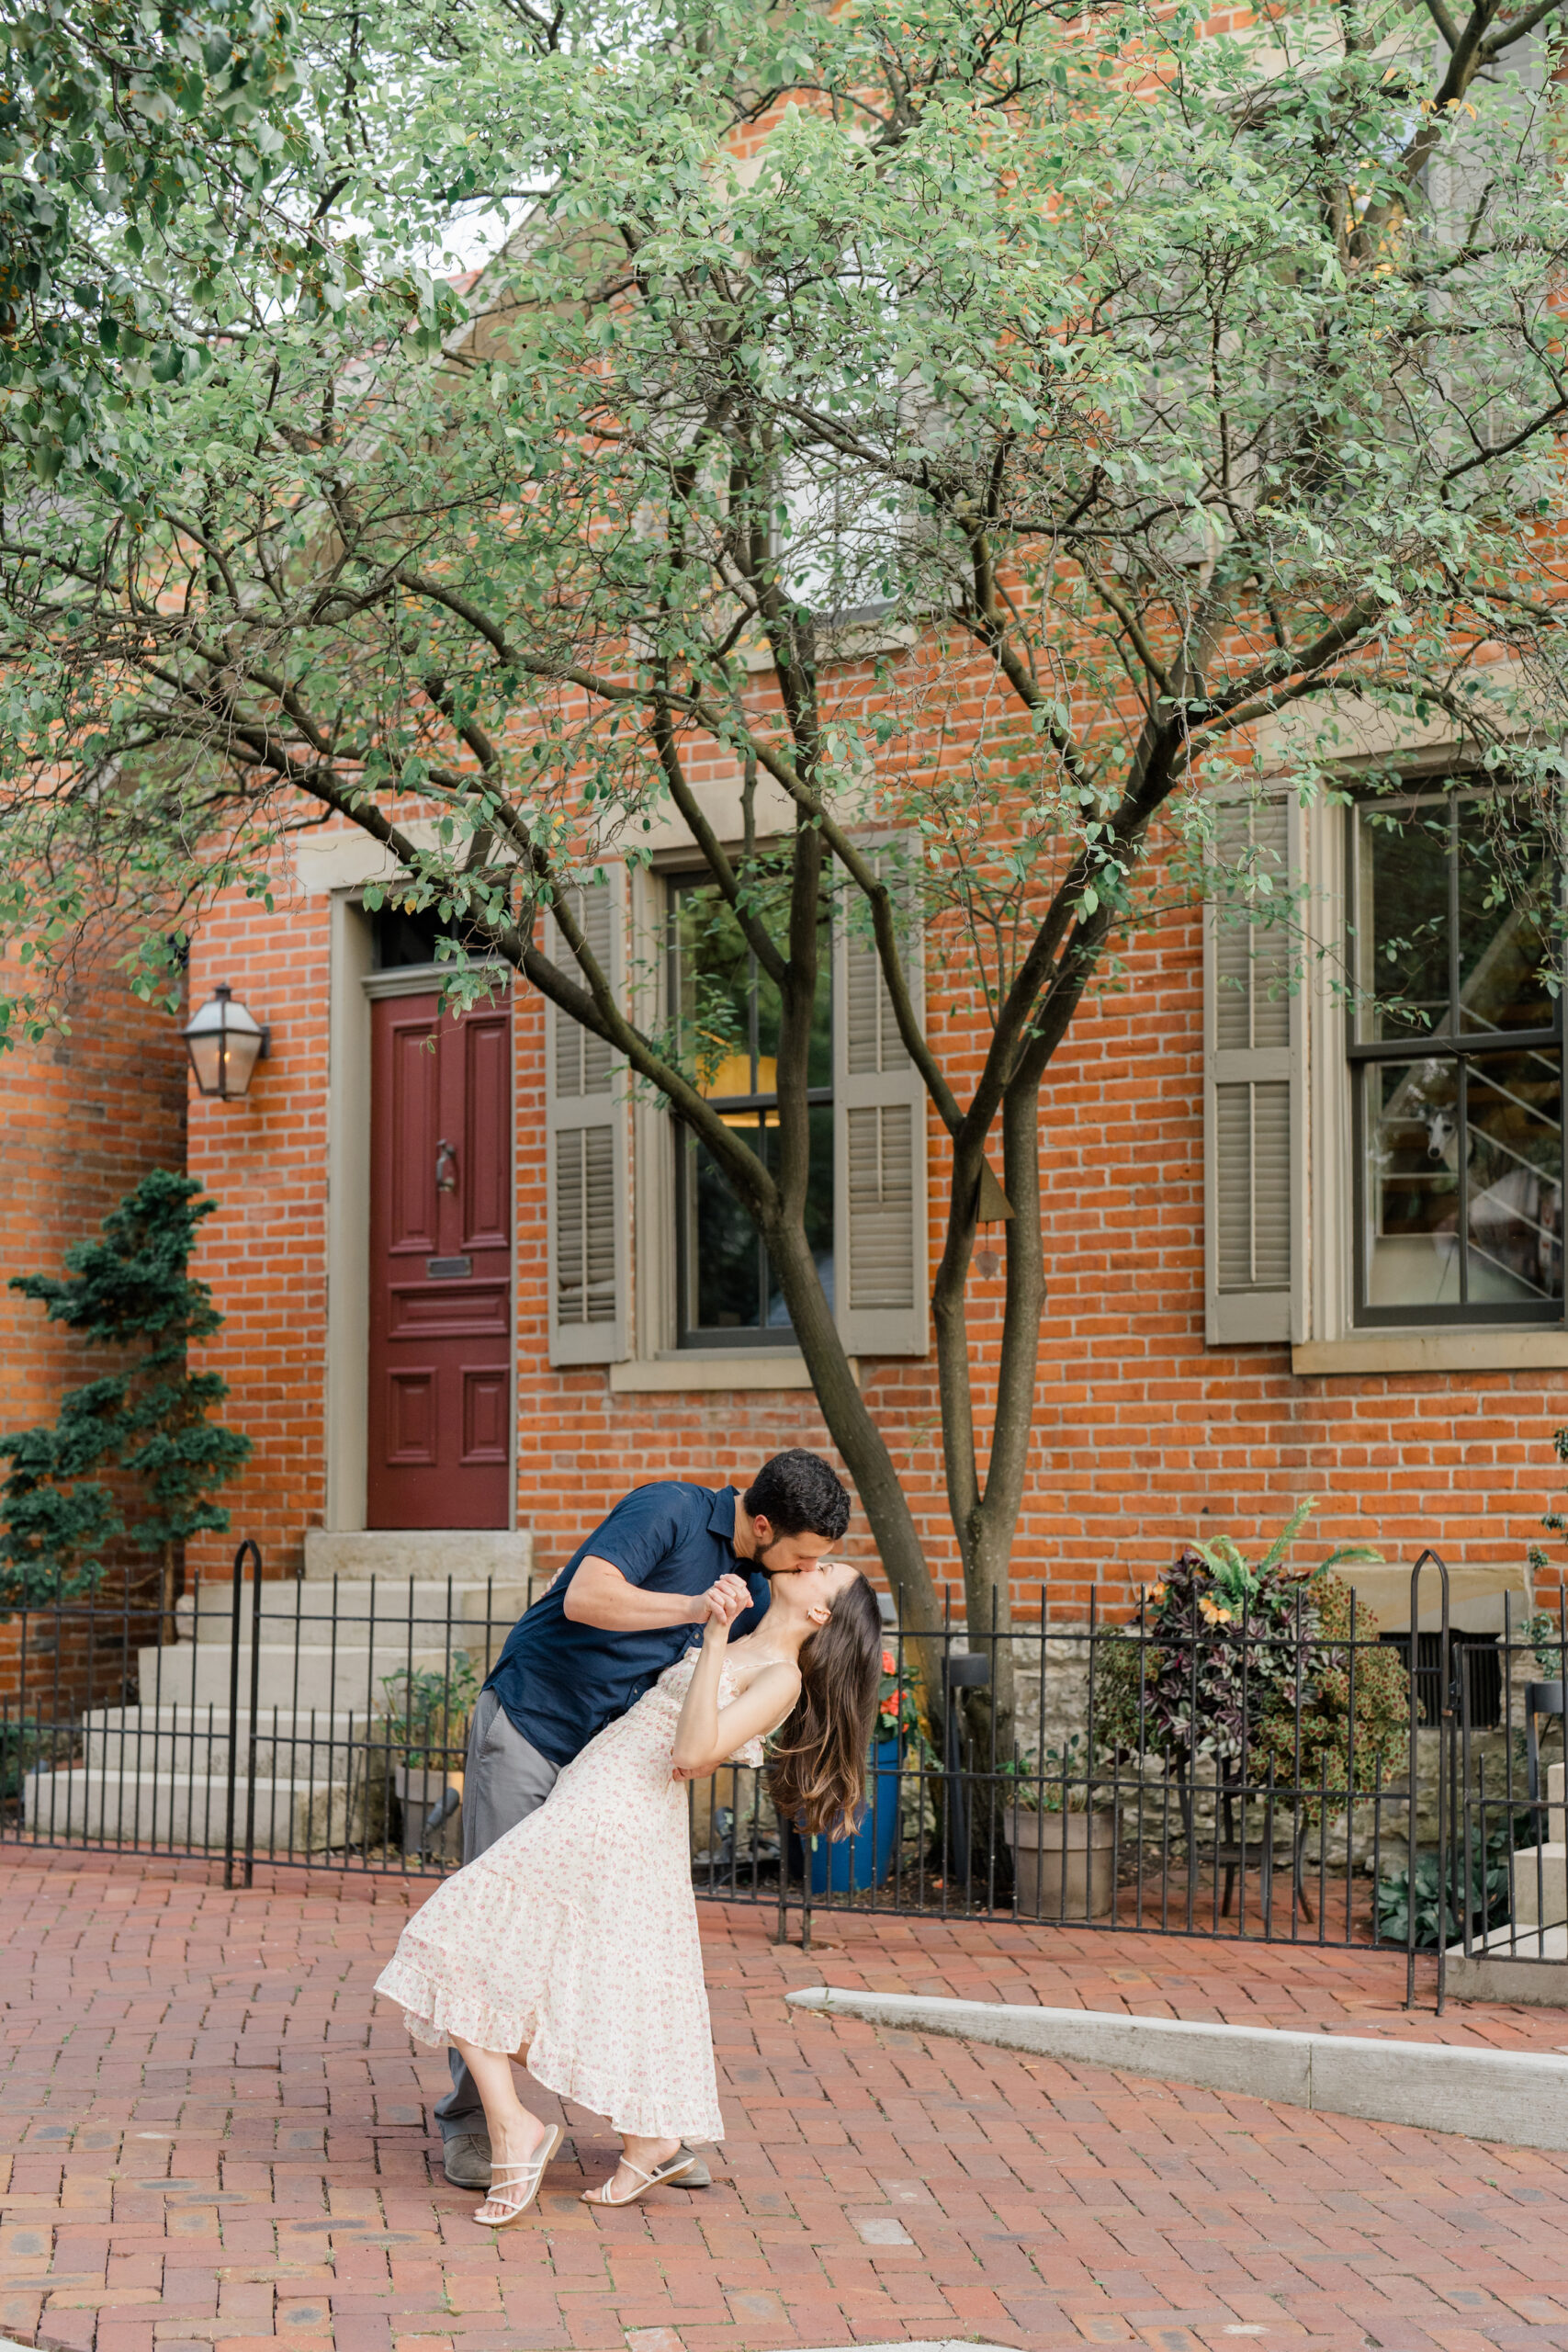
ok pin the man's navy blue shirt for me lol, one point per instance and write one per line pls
(561, 1683)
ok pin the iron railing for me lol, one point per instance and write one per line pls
(1342, 1787)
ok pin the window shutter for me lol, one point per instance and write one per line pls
(585, 1140)
(879, 1157)
(1253, 1110)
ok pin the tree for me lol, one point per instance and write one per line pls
(1136, 388)
(168, 176)
(148, 1428)
(128, 136)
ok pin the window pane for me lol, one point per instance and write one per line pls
(1504, 926)
(728, 1007)
(724, 1257)
(819, 1215)
(1401, 965)
(820, 1050)
(728, 1264)
(1411, 1205)
(819, 1053)
(1515, 1219)
(715, 994)
(730, 1016)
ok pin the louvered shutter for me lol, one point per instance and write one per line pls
(585, 1141)
(1252, 1096)
(879, 1157)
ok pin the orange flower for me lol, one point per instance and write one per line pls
(1214, 1616)
(889, 1663)
(1155, 1592)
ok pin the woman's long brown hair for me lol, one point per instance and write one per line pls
(818, 1764)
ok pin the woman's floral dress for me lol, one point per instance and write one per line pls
(577, 1935)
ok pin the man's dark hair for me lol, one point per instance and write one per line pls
(798, 1494)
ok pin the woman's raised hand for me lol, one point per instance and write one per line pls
(727, 1600)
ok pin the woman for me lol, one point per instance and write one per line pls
(571, 1945)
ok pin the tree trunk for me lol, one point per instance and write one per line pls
(860, 1442)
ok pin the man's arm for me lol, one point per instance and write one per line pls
(600, 1595)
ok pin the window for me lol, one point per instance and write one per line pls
(625, 1181)
(728, 1015)
(1456, 1053)
(403, 937)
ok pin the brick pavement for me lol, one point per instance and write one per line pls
(210, 2139)
(1303, 1986)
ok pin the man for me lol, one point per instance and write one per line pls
(630, 1601)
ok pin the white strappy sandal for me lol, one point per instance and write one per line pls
(681, 2162)
(504, 2180)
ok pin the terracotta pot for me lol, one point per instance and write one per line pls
(1064, 1863)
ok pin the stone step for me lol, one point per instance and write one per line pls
(1540, 1886)
(185, 1809)
(349, 1680)
(469, 1554)
(304, 1745)
(206, 1615)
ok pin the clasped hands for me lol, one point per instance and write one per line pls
(721, 1604)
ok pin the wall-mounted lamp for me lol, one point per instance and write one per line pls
(225, 1043)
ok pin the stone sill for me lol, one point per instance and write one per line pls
(737, 1368)
(1504, 1350)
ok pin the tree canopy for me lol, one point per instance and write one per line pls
(977, 429)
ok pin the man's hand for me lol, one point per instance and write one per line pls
(726, 1600)
(724, 1603)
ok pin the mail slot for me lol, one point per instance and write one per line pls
(450, 1270)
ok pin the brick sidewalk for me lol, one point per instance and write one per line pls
(210, 2139)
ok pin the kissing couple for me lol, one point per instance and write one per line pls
(686, 1629)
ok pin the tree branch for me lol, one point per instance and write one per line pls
(757, 936)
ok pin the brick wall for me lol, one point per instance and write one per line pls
(264, 1158)
(84, 1116)
(1143, 1435)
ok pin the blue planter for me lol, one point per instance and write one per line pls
(866, 1859)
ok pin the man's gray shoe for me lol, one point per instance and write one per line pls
(466, 2160)
(698, 2175)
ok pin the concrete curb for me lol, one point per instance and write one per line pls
(1519, 2097)
(1495, 1976)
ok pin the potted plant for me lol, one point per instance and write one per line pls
(1061, 1833)
(1241, 1677)
(427, 1726)
(865, 1858)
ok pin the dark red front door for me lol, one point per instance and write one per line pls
(440, 1265)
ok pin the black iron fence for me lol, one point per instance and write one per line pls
(1281, 1769)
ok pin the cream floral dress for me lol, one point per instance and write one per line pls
(576, 1934)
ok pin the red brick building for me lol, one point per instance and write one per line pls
(1283, 1258)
